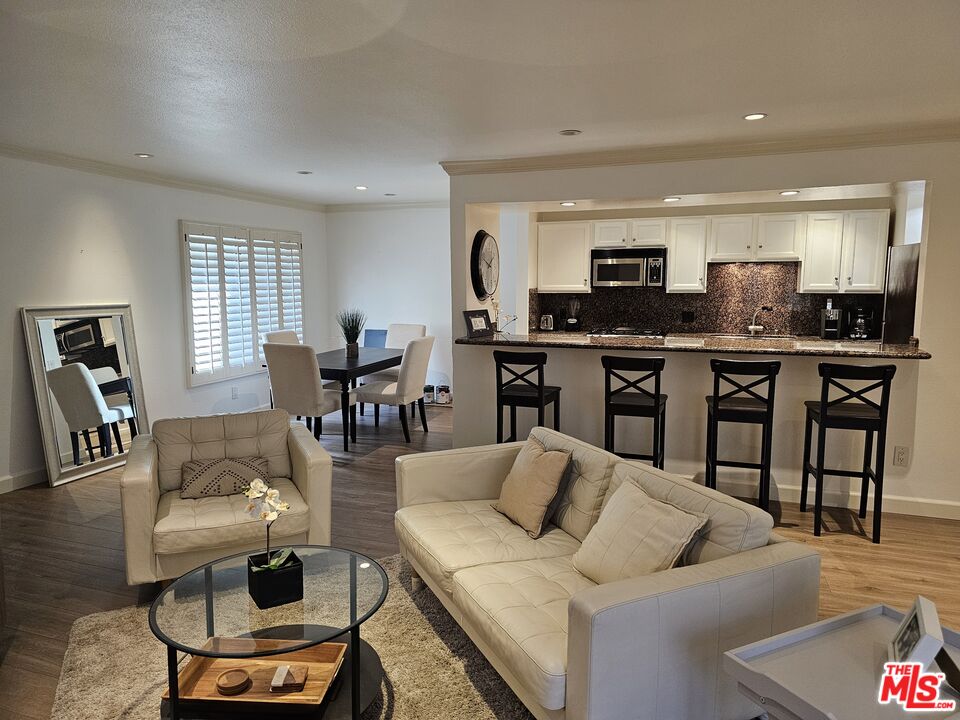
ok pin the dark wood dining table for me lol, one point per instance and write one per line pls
(335, 365)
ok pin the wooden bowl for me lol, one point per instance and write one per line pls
(233, 682)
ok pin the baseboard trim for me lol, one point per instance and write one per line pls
(892, 504)
(9, 483)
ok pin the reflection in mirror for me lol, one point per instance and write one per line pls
(87, 384)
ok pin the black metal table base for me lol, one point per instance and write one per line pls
(346, 701)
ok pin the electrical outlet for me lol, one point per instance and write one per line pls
(901, 455)
(234, 392)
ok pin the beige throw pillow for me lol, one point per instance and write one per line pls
(635, 535)
(531, 486)
(224, 476)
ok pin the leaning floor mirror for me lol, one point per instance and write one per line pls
(86, 378)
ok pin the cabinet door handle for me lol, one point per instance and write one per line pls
(749, 246)
(836, 281)
(850, 280)
(759, 246)
(623, 239)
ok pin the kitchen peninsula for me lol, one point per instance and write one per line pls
(708, 343)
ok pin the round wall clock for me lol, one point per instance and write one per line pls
(484, 265)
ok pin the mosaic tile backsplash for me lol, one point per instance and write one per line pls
(734, 292)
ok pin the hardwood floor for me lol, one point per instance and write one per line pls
(63, 553)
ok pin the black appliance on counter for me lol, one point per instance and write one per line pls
(628, 267)
(859, 323)
(831, 324)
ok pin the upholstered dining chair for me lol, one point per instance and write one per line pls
(289, 337)
(83, 407)
(406, 389)
(296, 383)
(398, 335)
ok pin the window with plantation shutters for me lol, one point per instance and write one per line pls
(239, 283)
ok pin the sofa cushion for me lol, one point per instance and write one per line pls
(260, 434)
(584, 484)
(531, 486)
(520, 610)
(184, 525)
(446, 537)
(636, 535)
(732, 526)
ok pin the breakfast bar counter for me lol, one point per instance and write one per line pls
(707, 343)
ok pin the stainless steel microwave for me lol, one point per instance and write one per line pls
(628, 267)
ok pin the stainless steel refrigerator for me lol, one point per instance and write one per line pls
(900, 302)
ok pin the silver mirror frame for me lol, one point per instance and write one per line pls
(56, 474)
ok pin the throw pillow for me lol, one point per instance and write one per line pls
(531, 486)
(635, 535)
(224, 476)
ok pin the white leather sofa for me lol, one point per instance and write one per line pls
(165, 535)
(648, 648)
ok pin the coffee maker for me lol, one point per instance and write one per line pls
(830, 322)
(859, 323)
(572, 323)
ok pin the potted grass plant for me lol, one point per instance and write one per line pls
(351, 324)
(273, 578)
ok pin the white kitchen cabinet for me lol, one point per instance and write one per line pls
(611, 233)
(780, 236)
(845, 252)
(649, 232)
(687, 255)
(732, 238)
(820, 268)
(563, 257)
(864, 257)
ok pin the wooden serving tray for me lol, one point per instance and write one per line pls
(198, 680)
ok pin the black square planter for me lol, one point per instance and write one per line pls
(270, 588)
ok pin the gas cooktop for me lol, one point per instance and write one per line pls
(626, 331)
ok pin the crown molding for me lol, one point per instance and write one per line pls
(360, 207)
(124, 173)
(876, 137)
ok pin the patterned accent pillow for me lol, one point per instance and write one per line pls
(224, 476)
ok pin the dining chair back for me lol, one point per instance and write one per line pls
(413, 369)
(399, 334)
(294, 377)
(288, 337)
(78, 396)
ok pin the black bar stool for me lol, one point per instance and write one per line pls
(744, 403)
(632, 399)
(853, 410)
(520, 391)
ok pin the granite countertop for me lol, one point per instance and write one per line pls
(702, 342)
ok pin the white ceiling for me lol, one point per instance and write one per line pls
(377, 92)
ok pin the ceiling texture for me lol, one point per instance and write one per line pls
(242, 93)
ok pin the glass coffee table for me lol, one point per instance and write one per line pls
(341, 590)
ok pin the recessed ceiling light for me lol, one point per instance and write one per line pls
(672, 198)
(143, 156)
(755, 116)
(389, 194)
(304, 172)
(360, 187)
(569, 133)
(568, 203)
(788, 193)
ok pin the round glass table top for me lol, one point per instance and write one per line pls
(341, 590)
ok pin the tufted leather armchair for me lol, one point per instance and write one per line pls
(165, 535)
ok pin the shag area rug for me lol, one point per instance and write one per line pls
(115, 668)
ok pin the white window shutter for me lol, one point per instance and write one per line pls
(238, 296)
(240, 284)
(205, 318)
(291, 284)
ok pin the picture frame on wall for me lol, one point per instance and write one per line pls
(478, 323)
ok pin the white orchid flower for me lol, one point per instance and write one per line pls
(273, 494)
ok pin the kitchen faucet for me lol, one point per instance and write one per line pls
(753, 328)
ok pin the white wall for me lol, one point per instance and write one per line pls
(393, 263)
(926, 419)
(71, 238)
